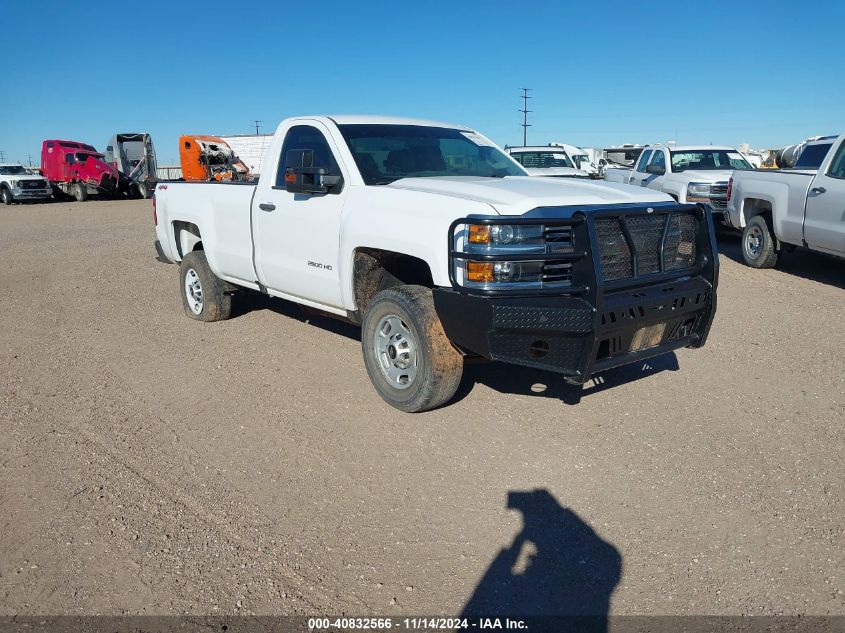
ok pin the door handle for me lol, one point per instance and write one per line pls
(267, 206)
(818, 190)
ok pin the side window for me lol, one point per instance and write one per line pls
(69, 158)
(517, 157)
(837, 165)
(643, 161)
(307, 137)
(658, 159)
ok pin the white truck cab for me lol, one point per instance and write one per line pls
(688, 173)
(580, 158)
(546, 160)
(441, 246)
(17, 183)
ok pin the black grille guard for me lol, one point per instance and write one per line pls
(642, 297)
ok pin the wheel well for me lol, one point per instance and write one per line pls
(755, 206)
(187, 236)
(376, 269)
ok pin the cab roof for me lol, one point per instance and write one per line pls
(375, 119)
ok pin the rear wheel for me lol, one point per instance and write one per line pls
(79, 192)
(205, 296)
(758, 244)
(142, 190)
(408, 356)
(6, 196)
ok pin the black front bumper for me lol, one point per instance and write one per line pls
(598, 324)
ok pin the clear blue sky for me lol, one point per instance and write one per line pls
(602, 72)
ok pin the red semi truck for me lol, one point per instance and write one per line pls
(77, 169)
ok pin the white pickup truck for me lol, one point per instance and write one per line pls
(440, 246)
(780, 209)
(688, 173)
(17, 183)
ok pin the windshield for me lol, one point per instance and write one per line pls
(708, 159)
(542, 160)
(811, 157)
(80, 157)
(13, 170)
(384, 153)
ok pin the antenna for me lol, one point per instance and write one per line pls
(257, 124)
(525, 111)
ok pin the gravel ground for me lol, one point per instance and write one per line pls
(151, 464)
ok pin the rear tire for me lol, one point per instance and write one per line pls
(6, 196)
(80, 192)
(409, 359)
(205, 296)
(758, 244)
(142, 190)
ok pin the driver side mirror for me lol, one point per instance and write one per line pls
(301, 176)
(657, 170)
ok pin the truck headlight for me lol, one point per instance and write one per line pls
(504, 235)
(514, 256)
(504, 272)
(698, 192)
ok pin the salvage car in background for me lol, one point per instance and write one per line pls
(17, 183)
(207, 158)
(441, 246)
(688, 173)
(778, 209)
(133, 156)
(77, 169)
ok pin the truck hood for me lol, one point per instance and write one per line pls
(706, 175)
(516, 195)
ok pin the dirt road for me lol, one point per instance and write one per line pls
(153, 464)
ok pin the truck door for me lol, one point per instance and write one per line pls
(639, 176)
(824, 222)
(296, 235)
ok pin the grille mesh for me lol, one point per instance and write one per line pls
(679, 250)
(615, 253)
(646, 232)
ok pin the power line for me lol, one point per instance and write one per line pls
(525, 111)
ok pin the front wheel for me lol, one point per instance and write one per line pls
(80, 192)
(409, 359)
(6, 196)
(758, 244)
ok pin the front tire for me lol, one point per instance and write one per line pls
(205, 296)
(80, 192)
(758, 244)
(409, 359)
(6, 196)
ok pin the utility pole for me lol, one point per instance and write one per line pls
(525, 111)
(29, 157)
(2, 156)
(257, 124)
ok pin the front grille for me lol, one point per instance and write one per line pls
(644, 237)
(719, 195)
(559, 239)
(33, 184)
(556, 272)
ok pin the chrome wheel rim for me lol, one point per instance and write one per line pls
(754, 241)
(396, 351)
(193, 291)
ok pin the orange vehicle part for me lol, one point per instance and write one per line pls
(207, 158)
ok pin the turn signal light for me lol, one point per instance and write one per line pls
(480, 271)
(479, 233)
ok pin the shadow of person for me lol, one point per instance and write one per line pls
(556, 566)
